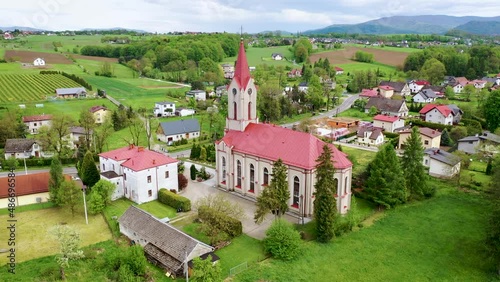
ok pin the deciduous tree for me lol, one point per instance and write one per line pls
(204, 270)
(274, 198)
(282, 240)
(56, 179)
(102, 134)
(69, 241)
(87, 121)
(70, 195)
(433, 70)
(325, 206)
(491, 112)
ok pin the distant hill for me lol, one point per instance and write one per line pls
(426, 24)
(482, 28)
(22, 28)
(114, 29)
(282, 32)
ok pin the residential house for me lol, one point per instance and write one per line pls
(100, 114)
(39, 62)
(221, 91)
(277, 56)
(441, 163)
(457, 87)
(386, 91)
(425, 96)
(370, 136)
(228, 70)
(400, 88)
(137, 173)
(437, 114)
(182, 112)
(339, 71)
(486, 142)
(164, 109)
(295, 73)
(438, 90)
(198, 95)
(431, 138)
(172, 131)
(65, 93)
(388, 123)
(33, 123)
(457, 113)
(8, 36)
(387, 106)
(368, 93)
(478, 83)
(329, 83)
(417, 85)
(164, 245)
(30, 189)
(458, 84)
(76, 136)
(303, 87)
(22, 148)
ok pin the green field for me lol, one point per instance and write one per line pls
(31, 87)
(387, 48)
(258, 56)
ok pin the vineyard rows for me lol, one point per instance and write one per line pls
(31, 87)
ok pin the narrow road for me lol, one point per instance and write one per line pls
(340, 108)
(66, 170)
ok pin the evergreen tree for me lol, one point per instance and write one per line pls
(56, 180)
(386, 184)
(414, 171)
(193, 172)
(446, 138)
(88, 171)
(275, 197)
(325, 206)
(489, 168)
(203, 154)
(191, 154)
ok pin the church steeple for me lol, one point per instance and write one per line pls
(242, 95)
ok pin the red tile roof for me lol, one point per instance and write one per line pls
(443, 109)
(97, 108)
(272, 142)
(432, 133)
(386, 87)
(28, 184)
(138, 158)
(368, 93)
(422, 82)
(241, 70)
(386, 118)
(37, 118)
(339, 69)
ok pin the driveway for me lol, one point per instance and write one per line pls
(197, 190)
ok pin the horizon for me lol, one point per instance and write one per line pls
(165, 16)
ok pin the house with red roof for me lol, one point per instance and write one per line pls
(386, 91)
(100, 113)
(138, 173)
(295, 73)
(437, 114)
(431, 138)
(33, 123)
(417, 85)
(388, 123)
(367, 93)
(339, 71)
(246, 153)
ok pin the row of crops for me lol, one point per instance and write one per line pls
(31, 87)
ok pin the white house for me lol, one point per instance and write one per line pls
(387, 106)
(437, 114)
(22, 148)
(138, 173)
(164, 109)
(339, 71)
(370, 135)
(417, 85)
(303, 87)
(75, 136)
(198, 95)
(277, 56)
(172, 131)
(39, 62)
(400, 88)
(425, 96)
(441, 163)
(388, 123)
(33, 123)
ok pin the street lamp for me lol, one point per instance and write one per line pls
(85, 204)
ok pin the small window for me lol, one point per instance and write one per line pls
(124, 176)
(426, 142)
(103, 167)
(166, 174)
(426, 162)
(149, 178)
(150, 193)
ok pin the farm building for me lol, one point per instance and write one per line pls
(138, 173)
(164, 109)
(65, 93)
(172, 131)
(100, 113)
(33, 123)
(22, 148)
(39, 62)
(164, 245)
(198, 95)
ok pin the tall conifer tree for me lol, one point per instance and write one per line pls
(325, 205)
(275, 197)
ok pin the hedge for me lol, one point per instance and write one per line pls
(175, 201)
(229, 225)
(431, 125)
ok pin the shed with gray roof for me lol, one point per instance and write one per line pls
(441, 163)
(172, 131)
(78, 92)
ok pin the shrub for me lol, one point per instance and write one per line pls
(203, 174)
(432, 125)
(193, 172)
(224, 223)
(175, 201)
(182, 181)
(282, 240)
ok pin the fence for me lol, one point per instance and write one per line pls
(238, 269)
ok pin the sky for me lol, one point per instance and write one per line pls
(223, 15)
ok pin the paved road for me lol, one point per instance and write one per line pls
(66, 170)
(341, 108)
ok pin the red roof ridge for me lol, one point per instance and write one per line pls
(241, 70)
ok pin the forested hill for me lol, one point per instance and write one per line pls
(481, 28)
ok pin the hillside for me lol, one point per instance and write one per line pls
(482, 28)
(426, 24)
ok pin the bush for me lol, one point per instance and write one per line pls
(432, 125)
(203, 174)
(224, 223)
(175, 201)
(193, 172)
(182, 181)
(282, 240)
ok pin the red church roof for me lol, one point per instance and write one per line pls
(386, 118)
(443, 109)
(138, 158)
(241, 70)
(272, 142)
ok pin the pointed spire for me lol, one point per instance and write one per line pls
(241, 70)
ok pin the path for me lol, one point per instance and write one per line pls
(170, 82)
(66, 170)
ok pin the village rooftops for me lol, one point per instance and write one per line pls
(180, 126)
(37, 118)
(386, 118)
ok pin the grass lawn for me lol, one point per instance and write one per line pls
(116, 209)
(117, 69)
(438, 239)
(359, 158)
(33, 239)
(32, 207)
(387, 48)
(258, 56)
(192, 229)
(242, 249)
(356, 113)
(158, 209)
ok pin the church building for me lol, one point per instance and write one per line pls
(246, 153)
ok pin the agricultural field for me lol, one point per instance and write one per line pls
(30, 56)
(344, 56)
(387, 48)
(31, 87)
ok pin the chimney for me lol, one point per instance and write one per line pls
(140, 149)
(154, 161)
(131, 146)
